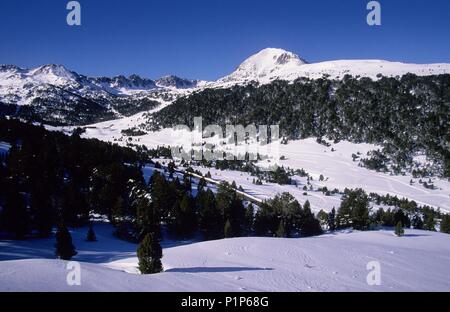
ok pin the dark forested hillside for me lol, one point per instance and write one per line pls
(405, 115)
(71, 109)
(48, 179)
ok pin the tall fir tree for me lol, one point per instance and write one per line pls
(281, 231)
(90, 236)
(65, 249)
(228, 230)
(149, 254)
(210, 219)
(399, 230)
(231, 208)
(187, 217)
(332, 220)
(310, 226)
(147, 218)
(445, 224)
(400, 216)
(354, 210)
(249, 219)
(159, 191)
(429, 222)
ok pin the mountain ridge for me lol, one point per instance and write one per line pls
(52, 93)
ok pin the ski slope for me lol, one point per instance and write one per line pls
(420, 261)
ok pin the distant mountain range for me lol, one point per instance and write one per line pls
(55, 95)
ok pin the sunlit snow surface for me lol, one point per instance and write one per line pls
(420, 261)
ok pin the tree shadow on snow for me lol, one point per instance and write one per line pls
(216, 269)
(415, 235)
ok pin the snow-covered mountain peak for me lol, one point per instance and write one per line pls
(271, 64)
(269, 58)
(52, 74)
(266, 65)
(53, 69)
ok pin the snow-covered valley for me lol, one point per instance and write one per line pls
(335, 261)
(334, 162)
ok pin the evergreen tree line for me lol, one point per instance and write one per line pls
(355, 211)
(405, 115)
(224, 215)
(281, 175)
(184, 214)
(284, 216)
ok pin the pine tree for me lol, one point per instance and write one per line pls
(237, 216)
(187, 184)
(91, 237)
(147, 219)
(249, 218)
(187, 218)
(332, 220)
(417, 222)
(149, 254)
(322, 216)
(65, 249)
(429, 222)
(281, 232)
(210, 219)
(445, 224)
(354, 210)
(162, 203)
(399, 231)
(228, 231)
(309, 225)
(400, 216)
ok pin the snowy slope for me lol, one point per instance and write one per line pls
(271, 64)
(420, 261)
(340, 171)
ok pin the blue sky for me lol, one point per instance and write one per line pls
(207, 39)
